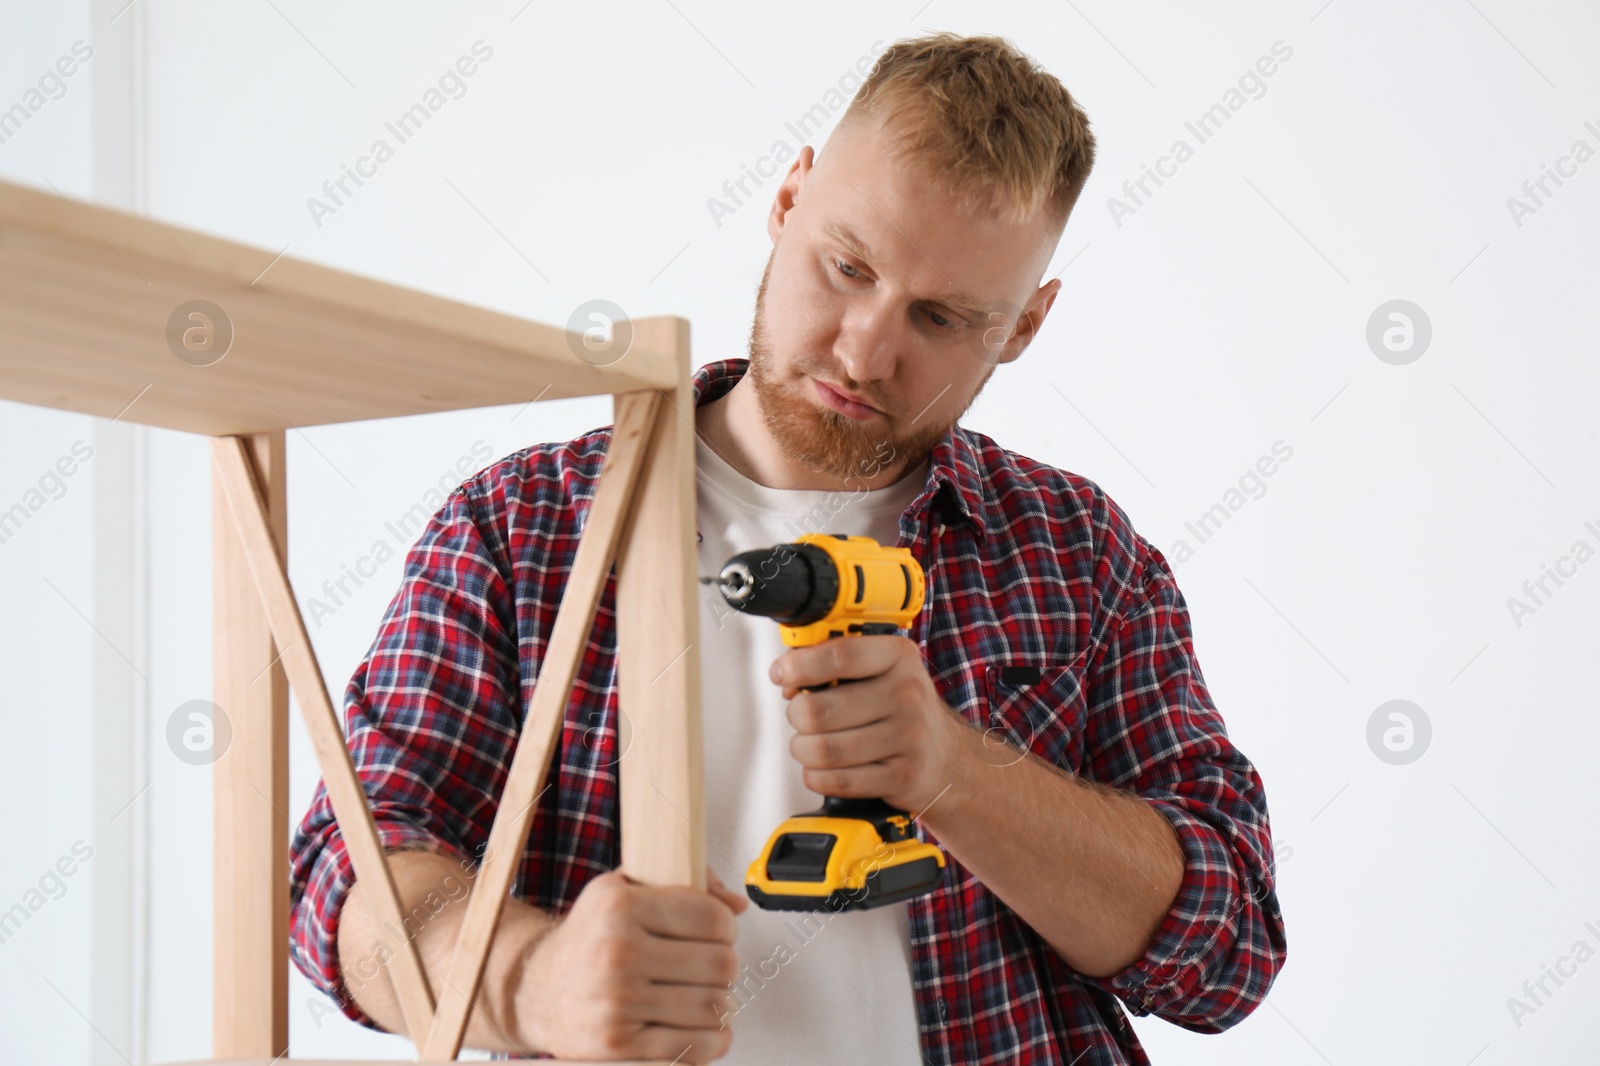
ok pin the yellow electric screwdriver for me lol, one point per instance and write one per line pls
(850, 854)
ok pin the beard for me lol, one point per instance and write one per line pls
(828, 441)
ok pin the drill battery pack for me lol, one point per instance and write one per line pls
(851, 854)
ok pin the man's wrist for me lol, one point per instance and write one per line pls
(522, 933)
(966, 751)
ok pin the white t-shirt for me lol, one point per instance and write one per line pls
(831, 987)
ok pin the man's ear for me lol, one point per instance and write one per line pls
(789, 192)
(1029, 321)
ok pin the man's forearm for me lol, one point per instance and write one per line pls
(1093, 870)
(433, 893)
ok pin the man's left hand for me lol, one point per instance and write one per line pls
(886, 733)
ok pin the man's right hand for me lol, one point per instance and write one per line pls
(635, 971)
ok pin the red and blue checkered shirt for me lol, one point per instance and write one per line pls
(1047, 617)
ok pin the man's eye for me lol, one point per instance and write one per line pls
(944, 324)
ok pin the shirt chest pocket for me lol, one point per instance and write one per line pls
(1036, 707)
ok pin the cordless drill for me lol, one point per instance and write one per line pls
(849, 854)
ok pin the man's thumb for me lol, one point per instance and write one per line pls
(716, 887)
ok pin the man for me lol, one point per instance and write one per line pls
(1045, 718)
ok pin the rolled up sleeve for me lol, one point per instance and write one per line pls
(431, 719)
(1154, 731)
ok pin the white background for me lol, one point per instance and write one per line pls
(1228, 312)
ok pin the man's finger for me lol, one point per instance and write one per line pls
(853, 705)
(845, 748)
(845, 658)
(686, 913)
(702, 963)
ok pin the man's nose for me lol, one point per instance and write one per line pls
(867, 341)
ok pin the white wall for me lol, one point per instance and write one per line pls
(46, 709)
(65, 658)
(1228, 312)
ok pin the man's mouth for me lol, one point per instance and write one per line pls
(842, 402)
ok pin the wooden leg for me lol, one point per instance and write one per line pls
(658, 644)
(250, 782)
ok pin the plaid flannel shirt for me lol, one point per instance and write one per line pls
(1047, 617)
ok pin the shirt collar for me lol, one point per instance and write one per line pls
(954, 464)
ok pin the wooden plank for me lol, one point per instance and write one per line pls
(87, 294)
(250, 786)
(242, 490)
(410, 1061)
(636, 414)
(658, 644)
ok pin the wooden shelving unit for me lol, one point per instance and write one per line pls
(98, 316)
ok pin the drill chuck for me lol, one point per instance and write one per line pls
(826, 585)
(796, 584)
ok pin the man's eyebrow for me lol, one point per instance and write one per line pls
(841, 233)
(960, 301)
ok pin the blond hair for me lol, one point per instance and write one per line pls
(998, 130)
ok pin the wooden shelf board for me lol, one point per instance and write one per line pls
(87, 292)
(405, 1062)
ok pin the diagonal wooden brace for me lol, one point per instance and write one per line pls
(350, 808)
